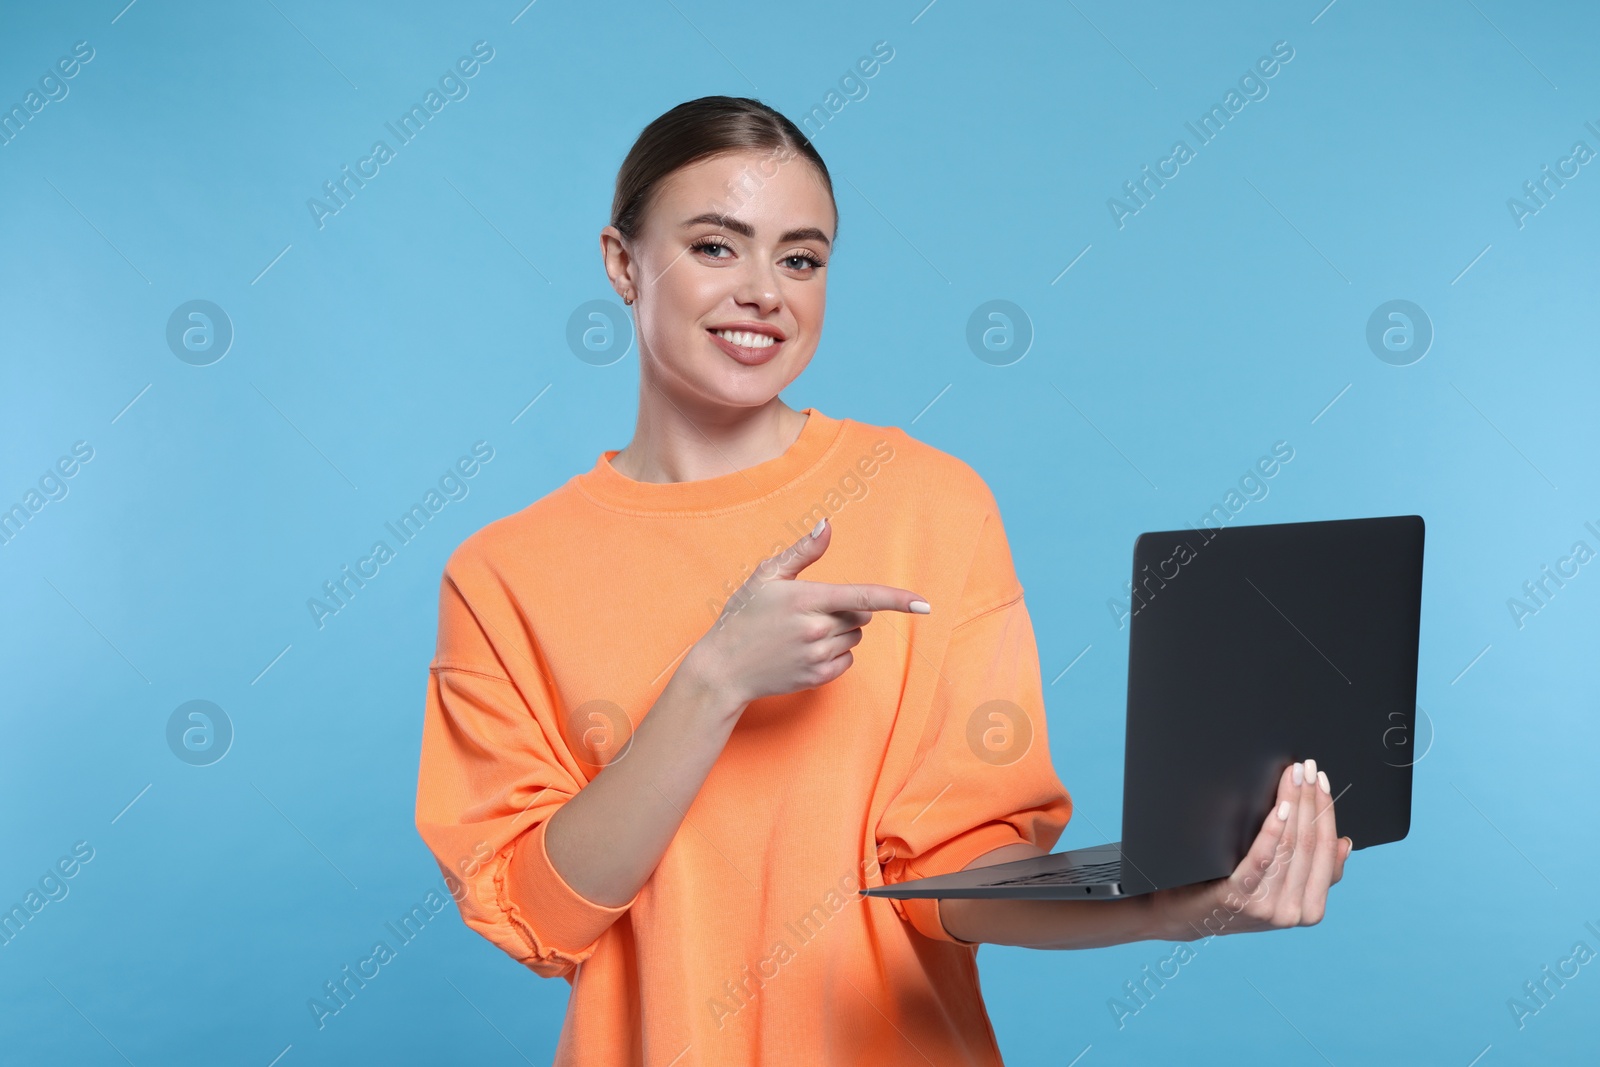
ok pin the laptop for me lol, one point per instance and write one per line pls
(1249, 648)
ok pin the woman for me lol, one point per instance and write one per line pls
(650, 755)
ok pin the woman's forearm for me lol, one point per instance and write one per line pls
(608, 838)
(1057, 924)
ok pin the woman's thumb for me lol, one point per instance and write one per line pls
(800, 555)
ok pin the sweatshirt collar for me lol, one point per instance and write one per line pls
(609, 487)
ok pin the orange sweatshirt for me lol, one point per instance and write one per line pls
(560, 625)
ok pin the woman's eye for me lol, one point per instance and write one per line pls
(794, 261)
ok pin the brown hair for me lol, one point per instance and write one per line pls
(696, 130)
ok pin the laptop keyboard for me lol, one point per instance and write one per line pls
(1088, 874)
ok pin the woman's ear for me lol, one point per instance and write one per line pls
(618, 263)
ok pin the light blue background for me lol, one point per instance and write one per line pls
(432, 311)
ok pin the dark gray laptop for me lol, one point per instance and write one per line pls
(1249, 648)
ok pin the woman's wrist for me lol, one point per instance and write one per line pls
(712, 696)
(1179, 914)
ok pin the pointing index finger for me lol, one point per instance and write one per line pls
(865, 596)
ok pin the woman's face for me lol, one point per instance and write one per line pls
(729, 276)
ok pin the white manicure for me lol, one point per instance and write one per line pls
(1283, 810)
(1299, 776)
(1322, 780)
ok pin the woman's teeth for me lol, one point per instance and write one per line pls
(746, 339)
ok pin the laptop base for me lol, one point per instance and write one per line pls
(1082, 874)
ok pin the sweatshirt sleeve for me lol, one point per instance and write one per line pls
(493, 769)
(983, 777)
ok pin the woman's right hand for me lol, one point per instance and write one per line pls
(780, 634)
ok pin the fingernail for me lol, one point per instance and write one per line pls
(816, 531)
(1311, 769)
(1283, 809)
(921, 607)
(1322, 780)
(1299, 776)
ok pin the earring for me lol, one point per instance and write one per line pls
(628, 299)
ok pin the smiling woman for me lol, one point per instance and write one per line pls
(669, 810)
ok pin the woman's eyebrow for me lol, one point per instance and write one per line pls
(739, 226)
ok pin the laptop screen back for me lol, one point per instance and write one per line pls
(1252, 647)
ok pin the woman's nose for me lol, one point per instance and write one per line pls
(759, 287)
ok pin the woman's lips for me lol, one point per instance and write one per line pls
(750, 357)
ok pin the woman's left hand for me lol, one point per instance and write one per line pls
(1283, 881)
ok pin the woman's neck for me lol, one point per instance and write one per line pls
(671, 447)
